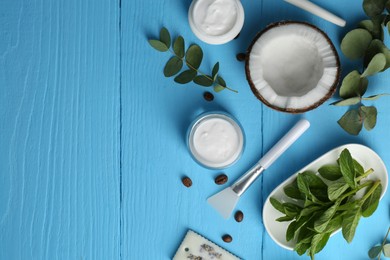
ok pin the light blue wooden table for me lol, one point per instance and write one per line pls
(92, 146)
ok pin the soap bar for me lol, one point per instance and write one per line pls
(196, 247)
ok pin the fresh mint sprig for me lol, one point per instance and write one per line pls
(365, 43)
(326, 206)
(192, 58)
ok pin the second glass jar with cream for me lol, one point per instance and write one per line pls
(215, 140)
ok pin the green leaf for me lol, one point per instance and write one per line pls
(370, 114)
(173, 66)
(350, 222)
(377, 64)
(359, 170)
(291, 230)
(277, 204)
(318, 242)
(292, 190)
(322, 222)
(284, 218)
(185, 77)
(301, 248)
(355, 43)
(158, 45)
(203, 80)
(335, 224)
(165, 37)
(221, 81)
(353, 85)
(218, 88)
(371, 203)
(375, 97)
(386, 250)
(291, 209)
(215, 71)
(178, 47)
(351, 122)
(194, 56)
(336, 189)
(330, 172)
(374, 252)
(347, 102)
(373, 7)
(374, 27)
(306, 211)
(347, 168)
(377, 46)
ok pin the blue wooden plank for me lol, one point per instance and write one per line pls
(59, 107)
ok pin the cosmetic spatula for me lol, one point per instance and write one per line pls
(225, 201)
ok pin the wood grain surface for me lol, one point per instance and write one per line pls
(92, 135)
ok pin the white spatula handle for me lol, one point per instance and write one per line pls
(243, 183)
(298, 129)
(319, 11)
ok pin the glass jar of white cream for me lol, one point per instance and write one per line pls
(216, 21)
(215, 140)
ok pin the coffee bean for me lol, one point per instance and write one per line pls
(227, 238)
(186, 182)
(221, 179)
(241, 56)
(208, 96)
(239, 216)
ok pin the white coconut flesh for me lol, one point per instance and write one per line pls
(293, 66)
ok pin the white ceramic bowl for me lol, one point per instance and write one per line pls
(364, 155)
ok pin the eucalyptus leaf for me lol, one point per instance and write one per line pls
(370, 115)
(374, 252)
(347, 102)
(173, 66)
(371, 203)
(221, 81)
(375, 97)
(185, 76)
(373, 7)
(218, 88)
(351, 122)
(330, 172)
(375, 47)
(194, 56)
(353, 85)
(386, 250)
(178, 47)
(165, 37)
(203, 80)
(373, 27)
(350, 222)
(355, 43)
(158, 45)
(347, 168)
(376, 65)
(215, 71)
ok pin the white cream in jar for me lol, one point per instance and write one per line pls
(216, 140)
(216, 21)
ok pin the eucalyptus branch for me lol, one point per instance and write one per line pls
(192, 58)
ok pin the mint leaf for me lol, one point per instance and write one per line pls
(347, 168)
(350, 222)
(371, 203)
(330, 172)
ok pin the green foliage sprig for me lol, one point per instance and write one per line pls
(366, 43)
(192, 58)
(325, 207)
(376, 251)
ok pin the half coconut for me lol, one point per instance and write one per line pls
(292, 66)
